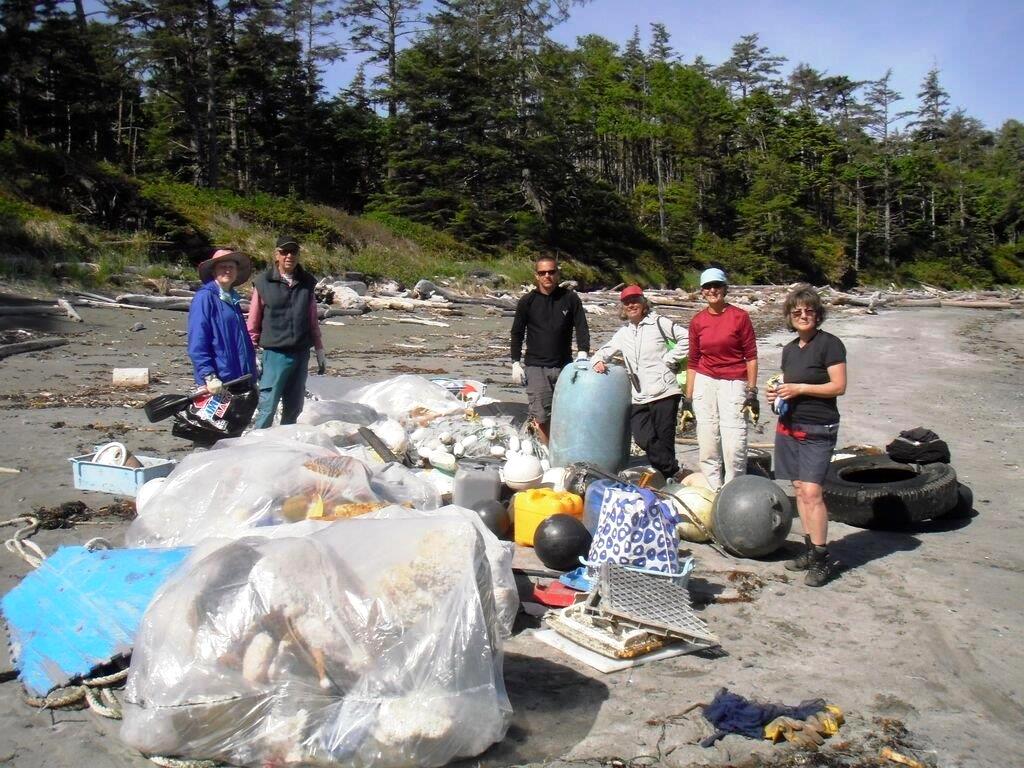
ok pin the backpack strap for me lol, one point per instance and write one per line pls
(662, 331)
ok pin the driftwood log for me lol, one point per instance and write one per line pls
(108, 305)
(179, 304)
(69, 310)
(33, 345)
(31, 310)
(62, 307)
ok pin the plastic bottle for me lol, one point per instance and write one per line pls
(476, 481)
(590, 417)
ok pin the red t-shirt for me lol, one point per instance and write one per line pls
(720, 345)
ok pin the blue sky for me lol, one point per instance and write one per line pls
(972, 44)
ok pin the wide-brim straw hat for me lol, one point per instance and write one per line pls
(221, 255)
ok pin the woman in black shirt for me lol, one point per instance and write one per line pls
(814, 375)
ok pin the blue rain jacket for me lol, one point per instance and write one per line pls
(218, 341)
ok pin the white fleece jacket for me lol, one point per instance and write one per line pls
(645, 353)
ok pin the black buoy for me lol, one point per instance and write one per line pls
(560, 541)
(494, 515)
(751, 516)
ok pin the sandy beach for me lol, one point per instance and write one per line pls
(921, 625)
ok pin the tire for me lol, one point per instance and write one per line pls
(759, 462)
(964, 504)
(877, 492)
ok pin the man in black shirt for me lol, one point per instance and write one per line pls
(546, 318)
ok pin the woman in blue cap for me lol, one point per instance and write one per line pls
(721, 381)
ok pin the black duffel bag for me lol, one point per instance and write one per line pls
(918, 446)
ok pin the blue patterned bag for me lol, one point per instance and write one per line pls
(637, 529)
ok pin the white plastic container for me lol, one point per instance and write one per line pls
(476, 481)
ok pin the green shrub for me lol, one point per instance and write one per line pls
(1008, 264)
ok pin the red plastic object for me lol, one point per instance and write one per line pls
(554, 595)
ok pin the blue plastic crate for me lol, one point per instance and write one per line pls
(123, 481)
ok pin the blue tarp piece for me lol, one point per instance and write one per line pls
(80, 609)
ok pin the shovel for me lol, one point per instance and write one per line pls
(163, 406)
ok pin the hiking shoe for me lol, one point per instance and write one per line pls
(817, 569)
(802, 561)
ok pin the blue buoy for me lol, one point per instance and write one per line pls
(590, 417)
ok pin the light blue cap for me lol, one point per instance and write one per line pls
(712, 275)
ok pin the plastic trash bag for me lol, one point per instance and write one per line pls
(369, 643)
(318, 411)
(499, 556)
(222, 492)
(408, 398)
(401, 485)
(302, 433)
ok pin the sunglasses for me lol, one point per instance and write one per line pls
(713, 287)
(289, 251)
(545, 272)
(805, 312)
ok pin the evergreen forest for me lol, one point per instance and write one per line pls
(468, 122)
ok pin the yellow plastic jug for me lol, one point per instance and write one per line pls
(531, 508)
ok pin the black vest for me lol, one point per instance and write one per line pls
(286, 309)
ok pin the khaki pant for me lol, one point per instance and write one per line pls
(721, 428)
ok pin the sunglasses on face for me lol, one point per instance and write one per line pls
(803, 312)
(546, 272)
(289, 251)
(713, 287)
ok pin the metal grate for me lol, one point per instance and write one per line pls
(653, 602)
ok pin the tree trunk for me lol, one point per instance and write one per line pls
(212, 159)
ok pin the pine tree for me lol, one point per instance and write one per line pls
(882, 116)
(377, 27)
(750, 67)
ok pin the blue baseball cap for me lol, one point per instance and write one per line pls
(712, 275)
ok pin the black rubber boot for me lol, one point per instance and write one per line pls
(817, 570)
(802, 561)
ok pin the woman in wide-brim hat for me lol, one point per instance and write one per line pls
(218, 340)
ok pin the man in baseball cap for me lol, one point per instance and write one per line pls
(283, 321)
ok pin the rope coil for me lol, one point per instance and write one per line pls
(19, 544)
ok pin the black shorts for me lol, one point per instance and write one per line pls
(804, 451)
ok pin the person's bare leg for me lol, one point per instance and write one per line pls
(810, 505)
(543, 431)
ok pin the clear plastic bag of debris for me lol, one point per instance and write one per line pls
(318, 411)
(301, 433)
(368, 643)
(226, 491)
(409, 399)
(499, 556)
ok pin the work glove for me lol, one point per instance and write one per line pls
(518, 374)
(686, 416)
(800, 733)
(321, 362)
(259, 366)
(214, 385)
(751, 407)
